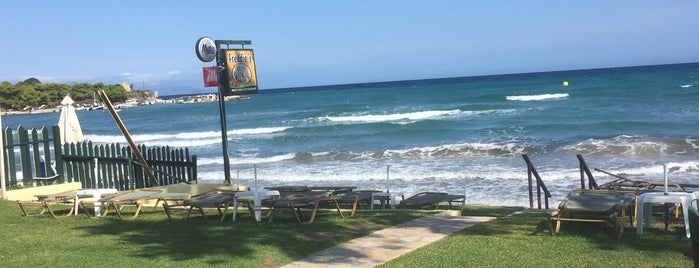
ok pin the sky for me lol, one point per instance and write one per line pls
(151, 44)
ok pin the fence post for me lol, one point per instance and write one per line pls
(58, 152)
(25, 161)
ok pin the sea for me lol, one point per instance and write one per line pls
(457, 135)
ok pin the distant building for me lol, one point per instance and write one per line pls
(126, 86)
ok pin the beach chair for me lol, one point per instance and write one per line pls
(48, 203)
(135, 197)
(221, 200)
(50, 178)
(301, 189)
(431, 200)
(364, 197)
(296, 201)
(600, 206)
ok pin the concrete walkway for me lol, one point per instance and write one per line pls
(387, 244)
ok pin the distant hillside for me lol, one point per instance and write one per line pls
(32, 93)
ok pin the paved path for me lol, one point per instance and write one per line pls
(387, 244)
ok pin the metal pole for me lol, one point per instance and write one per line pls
(387, 179)
(221, 63)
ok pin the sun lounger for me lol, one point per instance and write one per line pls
(50, 178)
(431, 200)
(135, 197)
(45, 203)
(593, 206)
(301, 189)
(365, 197)
(221, 200)
(296, 201)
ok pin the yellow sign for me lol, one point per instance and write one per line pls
(240, 64)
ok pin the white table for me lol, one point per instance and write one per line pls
(390, 198)
(256, 197)
(643, 215)
(96, 194)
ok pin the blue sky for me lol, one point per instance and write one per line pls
(309, 43)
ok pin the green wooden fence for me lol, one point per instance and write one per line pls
(29, 153)
(114, 166)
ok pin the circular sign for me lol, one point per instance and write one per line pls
(206, 49)
(241, 74)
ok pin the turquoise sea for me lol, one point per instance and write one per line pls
(458, 135)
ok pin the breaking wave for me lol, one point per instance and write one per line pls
(537, 97)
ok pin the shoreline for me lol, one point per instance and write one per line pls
(38, 111)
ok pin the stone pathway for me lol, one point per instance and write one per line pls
(387, 244)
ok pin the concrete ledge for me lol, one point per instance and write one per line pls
(29, 193)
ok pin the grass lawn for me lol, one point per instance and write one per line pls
(151, 240)
(510, 241)
(522, 240)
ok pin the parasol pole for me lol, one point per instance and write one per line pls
(387, 179)
(665, 177)
(256, 199)
(125, 131)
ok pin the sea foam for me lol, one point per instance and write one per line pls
(537, 97)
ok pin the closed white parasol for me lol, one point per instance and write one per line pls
(68, 123)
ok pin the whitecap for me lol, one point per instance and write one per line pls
(375, 118)
(537, 97)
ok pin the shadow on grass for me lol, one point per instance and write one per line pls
(151, 235)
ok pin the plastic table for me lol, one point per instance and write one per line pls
(96, 194)
(643, 215)
(256, 197)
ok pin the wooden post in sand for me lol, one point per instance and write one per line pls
(132, 144)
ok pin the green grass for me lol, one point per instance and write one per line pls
(519, 240)
(151, 240)
(523, 240)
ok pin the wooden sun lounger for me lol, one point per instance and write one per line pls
(593, 206)
(296, 201)
(301, 189)
(135, 197)
(359, 198)
(45, 202)
(219, 199)
(431, 200)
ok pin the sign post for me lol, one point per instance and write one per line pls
(236, 73)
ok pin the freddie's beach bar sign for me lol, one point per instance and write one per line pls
(234, 74)
(240, 67)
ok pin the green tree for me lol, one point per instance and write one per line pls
(30, 81)
(116, 93)
(32, 92)
(28, 95)
(8, 95)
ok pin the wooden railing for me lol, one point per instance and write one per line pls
(540, 186)
(585, 172)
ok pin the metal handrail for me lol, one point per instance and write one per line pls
(540, 186)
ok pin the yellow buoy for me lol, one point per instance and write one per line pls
(565, 83)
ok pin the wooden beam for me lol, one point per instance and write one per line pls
(132, 144)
